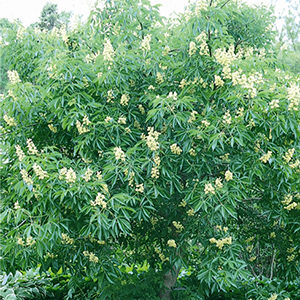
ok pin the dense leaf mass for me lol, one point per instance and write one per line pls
(137, 144)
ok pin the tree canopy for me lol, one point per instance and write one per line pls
(50, 17)
(148, 158)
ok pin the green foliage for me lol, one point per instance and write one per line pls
(289, 56)
(32, 285)
(291, 26)
(6, 27)
(134, 139)
(289, 59)
(50, 17)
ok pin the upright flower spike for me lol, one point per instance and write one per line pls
(145, 44)
(228, 175)
(13, 77)
(108, 51)
(10, 121)
(31, 147)
(265, 158)
(209, 189)
(39, 172)
(192, 49)
(152, 139)
(19, 152)
(119, 154)
(172, 243)
(175, 149)
(124, 100)
(294, 97)
(70, 176)
(88, 174)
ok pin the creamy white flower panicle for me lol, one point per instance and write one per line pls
(124, 100)
(193, 48)
(157, 160)
(139, 188)
(227, 118)
(228, 175)
(202, 40)
(20, 33)
(159, 78)
(291, 206)
(273, 297)
(82, 127)
(63, 33)
(225, 57)
(141, 109)
(236, 76)
(221, 242)
(201, 5)
(240, 112)
(88, 174)
(62, 173)
(294, 97)
(31, 147)
(10, 121)
(39, 172)
(246, 82)
(208, 188)
(265, 158)
(172, 95)
(166, 51)
(218, 81)
(179, 227)
(70, 176)
(26, 177)
(172, 243)
(92, 257)
(219, 183)
(192, 152)
(274, 104)
(193, 116)
(145, 44)
(108, 119)
(19, 152)
(52, 128)
(289, 154)
(99, 175)
(13, 77)
(91, 58)
(175, 149)
(155, 172)
(30, 241)
(99, 201)
(66, 239)
(205, 123)
(183, 83)
(119, 154)
(122, 120)
(152, 139)
(17, 205)
(108, 51)
(110, 96)
(287, 199)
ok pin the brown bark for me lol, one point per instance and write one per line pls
(170, 279)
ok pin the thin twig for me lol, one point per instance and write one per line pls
(272, 264)
(224, 4)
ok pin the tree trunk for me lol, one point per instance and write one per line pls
(170, 279)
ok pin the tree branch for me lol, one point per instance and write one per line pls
(224, 3)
